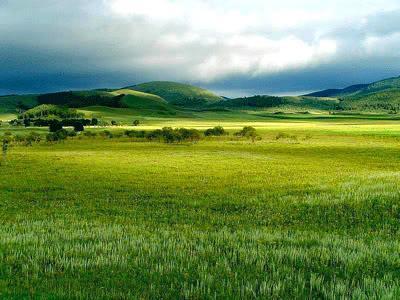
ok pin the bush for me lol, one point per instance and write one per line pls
(27, 122)
(283, 135)
(59, 135)
(169, 135)
(72, 133)
(32, 137)
(216, 131)
(90, 134)
(94, 122)
(78, 127)
(191, 135)
(136, 123)
(248, 132)
(55, 126)
(16, 122)
(106, 133)
(135, 134)
(155, 135)
(114, 123)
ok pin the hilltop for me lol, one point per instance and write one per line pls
(360, 89)
(178, 94)
(163, 98)
(383, 95)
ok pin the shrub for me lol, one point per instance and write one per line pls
(248, 132)
(32, 137)
(59, 135)
(78, 127)
(283, 135)
(114, 123)
(90, 134)
(55, 126)
(16, 122)
(154, 135)
(72, 133)
(94, 122)
(27, 122)
(136, 123)
(169, 135)
(135, 133)
(106, 133)
(216, 131)
(191, 135)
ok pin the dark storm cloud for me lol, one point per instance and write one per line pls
(55, 45)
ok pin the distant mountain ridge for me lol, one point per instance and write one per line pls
(171, 98)
(360, 89)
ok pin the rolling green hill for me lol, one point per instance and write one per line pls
(380, 96)
(388, 100)
(9, 103)
(165, 98)
(121, 98)
(361, 89)
(178, 94)
(281, 103)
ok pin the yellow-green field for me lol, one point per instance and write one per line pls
(312, 214)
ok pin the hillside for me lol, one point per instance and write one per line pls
(11, 103)
(360, 89)
(383, 101)
(165, 98)
(122, 98)
(280, 103)
(178, 94)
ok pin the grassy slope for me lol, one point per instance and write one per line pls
(8, 104)
(361, 89)
(177, 93)
(137, 103)
(377, 101)
(315, 217)
(300, 103)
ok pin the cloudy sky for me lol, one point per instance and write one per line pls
(235, 47)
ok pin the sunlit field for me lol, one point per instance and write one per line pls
(310, 211)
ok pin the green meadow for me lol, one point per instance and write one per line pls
(311, 211)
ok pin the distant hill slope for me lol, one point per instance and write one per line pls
(10, 103)
(380, 96)
(178, 94)
(360, 89)
(338, 92)
(383, 101)
(121, 98)
(299, 103)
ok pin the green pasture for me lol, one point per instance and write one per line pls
(312, 211)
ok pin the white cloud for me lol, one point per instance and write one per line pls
(387, 45)
(195, 40)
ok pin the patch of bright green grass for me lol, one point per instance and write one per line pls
(313, 214)
(177, 93)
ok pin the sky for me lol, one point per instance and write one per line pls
(235, 47)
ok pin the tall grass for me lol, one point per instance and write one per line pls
(111, 218)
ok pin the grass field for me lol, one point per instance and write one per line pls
(314, 214)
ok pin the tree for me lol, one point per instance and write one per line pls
(59, 135)
(78, 127)
(136, 123)
(94, 122)
(248, 132)
(216, 131)
(55, 126)
(27, 122)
